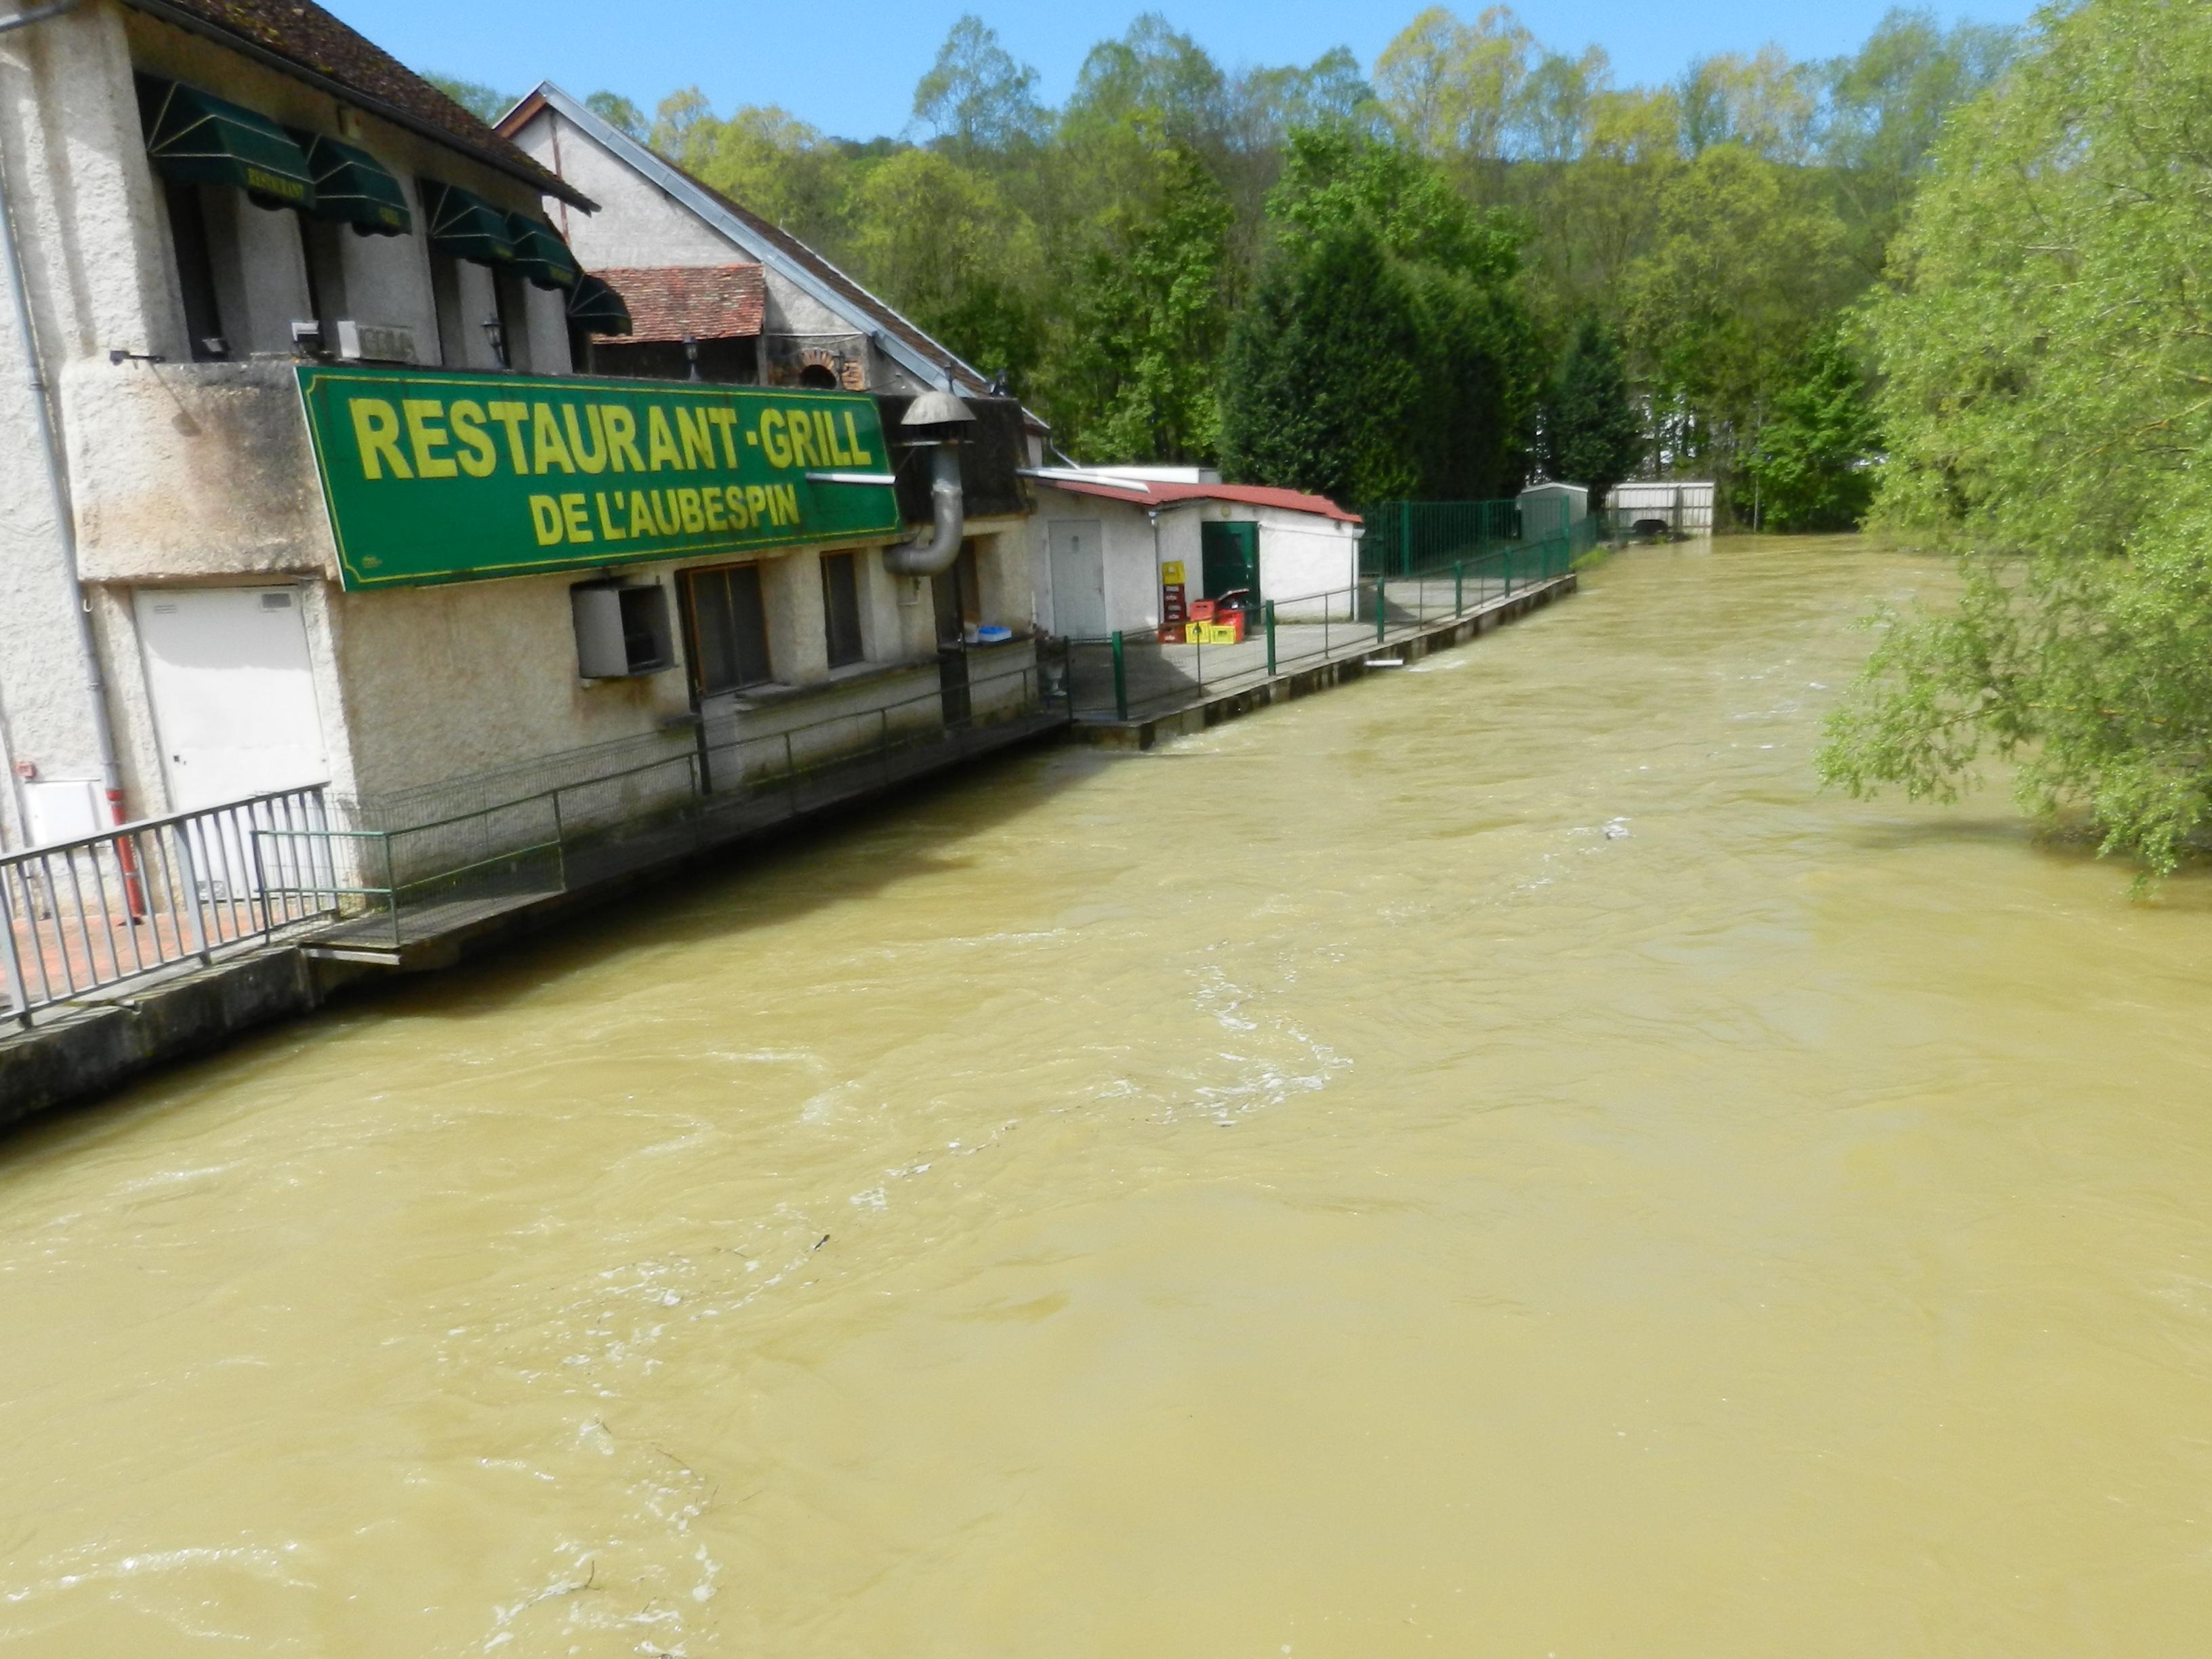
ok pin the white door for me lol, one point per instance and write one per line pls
(233, 696)
(1078, 580)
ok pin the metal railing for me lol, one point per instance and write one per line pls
(80, 916)
(1132, 676)
(1413, 539)
(402, 882)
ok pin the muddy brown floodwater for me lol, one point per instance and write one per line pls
(1489, 1161)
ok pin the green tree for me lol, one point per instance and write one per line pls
(1149, 320)
(943, 244)
(1813, 461)
(2046, 408)
(1592, 434)
(1323, 378)
(1447, 417)
(975, 95)
(486, 103)
(618, 112)
(767, 160)
(1748, 267)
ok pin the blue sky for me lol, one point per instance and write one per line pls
(850, 67)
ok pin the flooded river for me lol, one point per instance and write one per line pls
(1488, 1161)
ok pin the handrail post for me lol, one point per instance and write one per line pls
(1120, 680)
(1459, 588)
(391, 888)
(1268, 615)
(1381, 609)
(183, 831)
(1509, 572)
(8, 961)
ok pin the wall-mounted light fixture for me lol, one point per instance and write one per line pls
(691, 356)
(497, 336)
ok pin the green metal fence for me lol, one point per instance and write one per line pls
(1410, 538)
(1136, 675)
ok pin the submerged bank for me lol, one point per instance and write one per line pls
(1490, 1159)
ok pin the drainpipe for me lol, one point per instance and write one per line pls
(11, 261)
(935, 416)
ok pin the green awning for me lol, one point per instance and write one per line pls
(596, 307)
(464, 226)
(197, 138)
(352, 187)
(539, 252)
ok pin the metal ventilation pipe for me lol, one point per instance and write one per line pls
(935, 418)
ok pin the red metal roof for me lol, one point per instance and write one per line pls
(707, 302)
(1144, 493)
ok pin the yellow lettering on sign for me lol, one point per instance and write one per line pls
(427, 435)
(467, 416)
(800, 431)
(546, 448)
(621, 438)
(711, 499)
(592, 460)
(512, 416)
(757, 497)
(695, 515)
(727, 418)
(658, 440)
(640, 514)
(772, 440)
(606, 521)
(825, 437)
(860, 456)
(376, 435)
(572, 518)
(698, 439)
(665, 518)
(545, 519)
(790, 494)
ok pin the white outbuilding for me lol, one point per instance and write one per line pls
(1124, 552)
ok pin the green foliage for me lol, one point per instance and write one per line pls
(618, 112)
(1591, 432)
(975, 95)
(1812, 462)
(1745, 271)
(486, 103)
(1149, 323)
(1323, 379)
(2047, 409)
(1378, 255)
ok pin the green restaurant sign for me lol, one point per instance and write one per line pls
(438, 476)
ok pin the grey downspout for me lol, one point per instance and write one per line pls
(934, 554)
(111, 775)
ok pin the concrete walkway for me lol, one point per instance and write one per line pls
(1174, 689)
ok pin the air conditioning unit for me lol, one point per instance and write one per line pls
(375, 342)
(622, 629)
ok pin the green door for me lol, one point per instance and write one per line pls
(1231, 555)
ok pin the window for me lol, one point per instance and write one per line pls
(729, 628)
(622, 629)
(513, 313)
(840, 608)
(188, 231)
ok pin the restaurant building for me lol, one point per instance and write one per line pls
(300, 481)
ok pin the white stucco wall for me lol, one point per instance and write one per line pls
(1132, 561)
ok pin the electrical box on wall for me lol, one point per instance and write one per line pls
(623, 629)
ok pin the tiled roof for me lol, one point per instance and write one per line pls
(707, 302)
(300, 35)
(972, 381)
(1142, 492)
